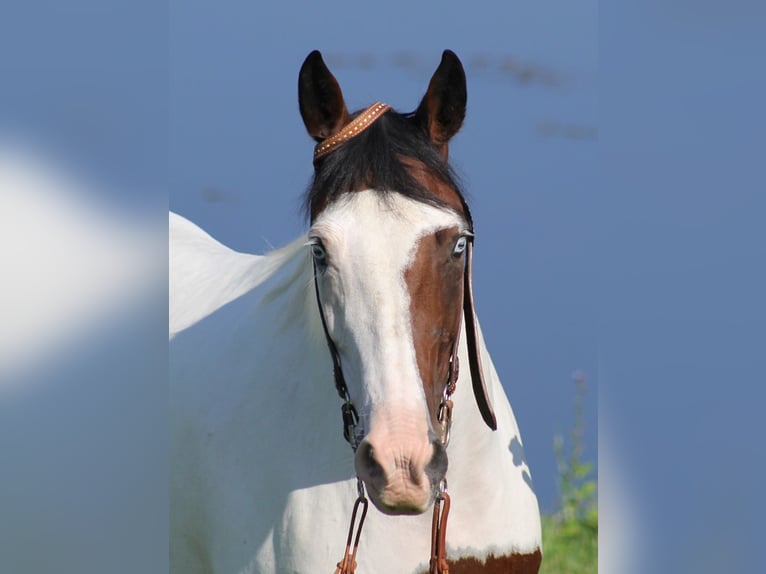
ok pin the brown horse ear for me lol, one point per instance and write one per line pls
(321, 102)
(442, 109)
(471, 337)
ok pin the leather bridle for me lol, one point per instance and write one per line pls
(349, 413)
(438, 562)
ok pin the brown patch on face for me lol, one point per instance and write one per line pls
(435, 285)
(434, 184)
(513, 564)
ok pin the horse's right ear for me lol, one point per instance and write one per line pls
(321, 101)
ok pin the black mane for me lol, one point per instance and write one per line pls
(372, 160)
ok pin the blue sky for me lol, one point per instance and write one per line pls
(618, 195)
(681, 202)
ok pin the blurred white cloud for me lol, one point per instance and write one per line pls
(620, 537)
(70, 261)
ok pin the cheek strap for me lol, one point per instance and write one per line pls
(471, 336)
(471, 332)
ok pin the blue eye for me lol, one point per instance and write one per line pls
(460, 245)
(318, 252)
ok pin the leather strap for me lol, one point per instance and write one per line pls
(337, 370)
(356, 126)
(438, 563)
(347, 565)
(471, 330)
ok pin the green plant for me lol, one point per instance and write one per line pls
(570, 535)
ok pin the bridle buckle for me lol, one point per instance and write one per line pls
(350, 421)
(444, 416)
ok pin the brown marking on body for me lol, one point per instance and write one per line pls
(435, 285)
(513, 564)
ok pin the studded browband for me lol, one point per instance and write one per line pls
(353, 128)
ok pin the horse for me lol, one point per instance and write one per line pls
(371, 310)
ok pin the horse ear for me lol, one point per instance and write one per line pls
(442, 110)
(321, 102)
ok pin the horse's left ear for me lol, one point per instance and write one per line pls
(442, 110)
(320, 99)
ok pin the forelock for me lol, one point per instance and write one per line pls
(381, 158)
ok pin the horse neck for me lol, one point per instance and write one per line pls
(475, 451)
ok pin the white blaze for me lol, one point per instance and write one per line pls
(371, 240)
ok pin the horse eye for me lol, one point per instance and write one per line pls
(318, 252)
(460, 245)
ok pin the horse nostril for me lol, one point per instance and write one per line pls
(436, 468)
(366, 462)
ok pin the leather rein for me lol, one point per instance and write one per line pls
(350, 416)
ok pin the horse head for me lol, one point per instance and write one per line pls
(391, 239)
